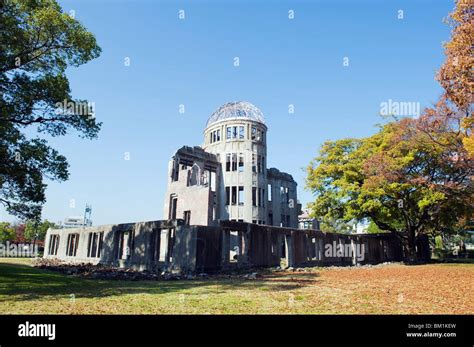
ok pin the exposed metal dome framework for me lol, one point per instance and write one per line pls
(233, 110)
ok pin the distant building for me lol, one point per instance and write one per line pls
(306, 222)
(76, 222)
(227, 177)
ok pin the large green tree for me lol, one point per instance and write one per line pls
(37, 43)
(330, 225)
(400, 178)
(35, 230)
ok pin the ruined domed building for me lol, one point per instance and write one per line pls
(224, 208)
(227, 178)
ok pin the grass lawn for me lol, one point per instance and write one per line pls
(387, 289)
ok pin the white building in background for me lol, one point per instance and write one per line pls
(305, 221)
(76, 222)
(227, 178)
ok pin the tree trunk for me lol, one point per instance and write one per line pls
(410, 247)
(34, 246)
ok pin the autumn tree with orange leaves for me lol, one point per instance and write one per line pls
(456, 74)
(415, 176)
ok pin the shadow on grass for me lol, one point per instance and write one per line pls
(29, 283)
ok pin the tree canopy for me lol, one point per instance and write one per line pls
(414, 176)
(37, 231)
(455, 75)
(37, 43)
(7, 232)
(399, 178)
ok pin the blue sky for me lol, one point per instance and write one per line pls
(191, 62)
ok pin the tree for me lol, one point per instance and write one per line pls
(438, 242)
(373, 228)
(37, 43)
(20, 233)
(37, 231)
(330, 225)
(399, 178)
(455, 76)
(7, 232)
(415, 175)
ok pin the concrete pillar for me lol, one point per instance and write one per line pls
(320, 249)
(225, 246)
(278, 246)
(268, 244)
(240, 246)
(46, 243)
(289, 250)
(246, 248)
(353, 249)
(248, 245)
(308, 248)
(184, 249)
(316, 249)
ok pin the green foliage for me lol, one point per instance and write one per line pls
(37, 43)
(399, 178)
(34, 230)
(373, 228)
(414, 176)
(7, 232)
(335, 226)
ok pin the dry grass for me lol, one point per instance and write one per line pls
(388, 289)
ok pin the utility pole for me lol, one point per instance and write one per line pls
(87, 215)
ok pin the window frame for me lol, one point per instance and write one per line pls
(241, 196)
(72, 244)
(53, 244)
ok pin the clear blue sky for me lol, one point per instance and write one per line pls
(190, 62)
